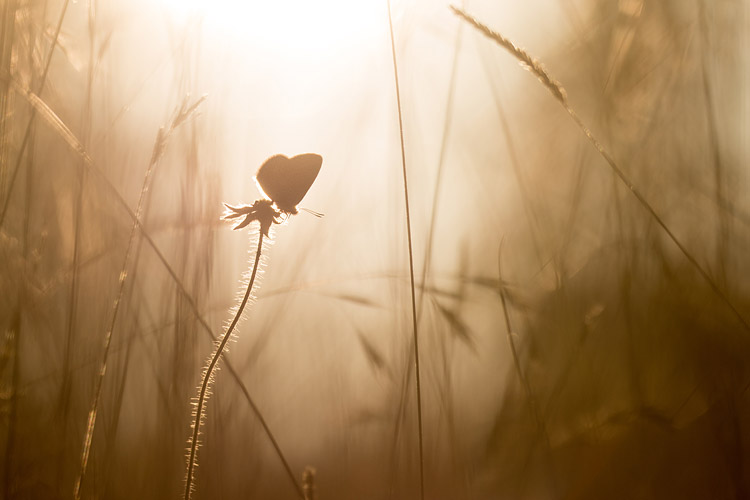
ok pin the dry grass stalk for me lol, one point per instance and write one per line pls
(411, 259)
(308, 483)
(162, 136)
(559, 92)
(526, 60)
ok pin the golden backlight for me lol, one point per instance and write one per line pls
(578, 228)
(298, 27)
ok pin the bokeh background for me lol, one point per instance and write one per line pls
(568, 349)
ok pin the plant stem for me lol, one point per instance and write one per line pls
(91, 422)
(559, 93)
(209, 371)
(411, 260)
(91, 167)
(27, 132)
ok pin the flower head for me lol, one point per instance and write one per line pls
(262, 210)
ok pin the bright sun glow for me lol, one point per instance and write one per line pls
(299, 26)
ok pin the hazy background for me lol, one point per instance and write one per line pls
(632, 377)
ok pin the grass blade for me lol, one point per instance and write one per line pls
(559, 93)
(411, 257)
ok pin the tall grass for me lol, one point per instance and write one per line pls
(578, 319)
(415, 334)
(162, 137)
(559, 93)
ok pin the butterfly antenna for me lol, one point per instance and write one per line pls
(316, 214)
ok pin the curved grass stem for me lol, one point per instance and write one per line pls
(202, 396)
(556, 89)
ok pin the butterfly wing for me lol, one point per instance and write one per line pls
(286, 180)
(271, 176)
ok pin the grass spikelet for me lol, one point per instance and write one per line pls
(308, 483)
(160, 143)
(526, 60)
(27, 131)
(186, 110)
(559, 93)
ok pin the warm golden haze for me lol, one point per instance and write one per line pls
(571, 278)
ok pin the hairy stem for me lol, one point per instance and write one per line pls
(209, 371)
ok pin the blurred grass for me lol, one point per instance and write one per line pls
(630, 376)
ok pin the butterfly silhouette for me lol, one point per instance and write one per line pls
(284, 181)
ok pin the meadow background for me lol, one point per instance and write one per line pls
(568, 349)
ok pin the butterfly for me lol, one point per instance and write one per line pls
(285, 181)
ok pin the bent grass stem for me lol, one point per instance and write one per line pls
(558, 92)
